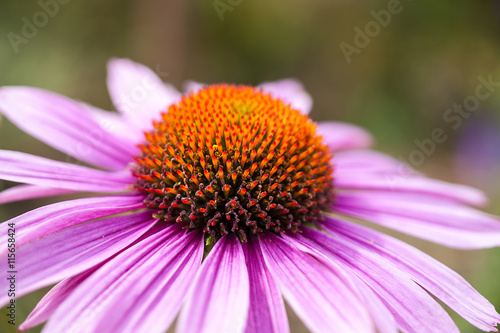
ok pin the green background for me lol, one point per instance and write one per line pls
(427, 58)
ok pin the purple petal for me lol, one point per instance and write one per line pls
(25, 168)
(53, 299)
(350, 174)
(430, 274)
(321, 297)
(65, 125)
(138, 93)
(43, 221)
(413, 309)
(291, 92)
(25, 192)
(382, 317)
(192, 87)
(72, 250)
(267, 310)
(374, 162)
(432, 218)
(115, 123)
(342, 136)
(421, 185)
(172, 286)
(147, 283)
(219, 299)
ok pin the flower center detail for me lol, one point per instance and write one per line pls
(233, 159)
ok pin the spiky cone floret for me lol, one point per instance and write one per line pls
(233, 159)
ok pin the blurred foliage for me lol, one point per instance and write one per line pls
(426, 59)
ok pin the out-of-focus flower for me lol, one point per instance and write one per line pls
(478, 153)
(231, 200)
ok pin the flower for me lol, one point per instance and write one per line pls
(477, 157)
(231, 200)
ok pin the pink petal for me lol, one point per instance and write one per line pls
(394, 178)
(432, 218)
(65, 125)
(53, 299)
(25, 168)
(140, 290)
(382, 317)
(321, 297)
(374, 162)
(138, 93)
(25, 192)
(342, 136)
(168, 292)
(219, 298)
(43, 221)
(429, 273)
(291, 92)
(413, 309)
(115, 123)
(421, 185)
(72, 250)
(267, 310)
(192, 87)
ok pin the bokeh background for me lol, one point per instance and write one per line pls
(398, 80)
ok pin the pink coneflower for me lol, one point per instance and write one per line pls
(220, 207)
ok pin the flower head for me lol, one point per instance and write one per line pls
(217, 204)
(234, 159)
